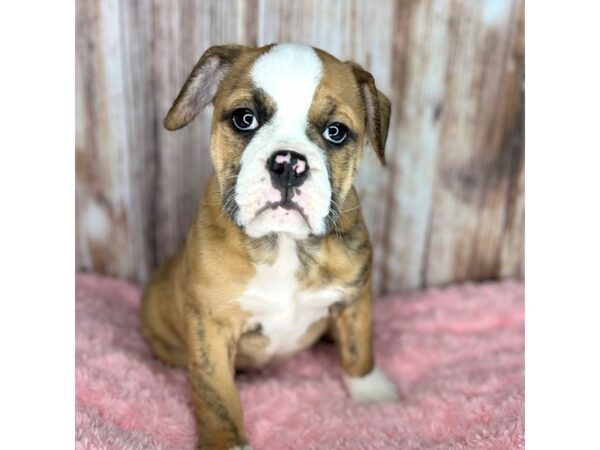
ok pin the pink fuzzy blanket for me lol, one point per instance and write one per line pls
(455, 353)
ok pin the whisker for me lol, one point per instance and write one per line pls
(351, 209)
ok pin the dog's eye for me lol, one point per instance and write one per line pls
(336, 133)
(244, 119)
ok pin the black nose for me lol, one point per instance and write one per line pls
(287, 168)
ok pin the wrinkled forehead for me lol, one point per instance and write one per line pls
(301, 83)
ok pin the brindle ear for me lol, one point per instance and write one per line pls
(377, 107)
(202, 84)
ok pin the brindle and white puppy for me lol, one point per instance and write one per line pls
(279, 253)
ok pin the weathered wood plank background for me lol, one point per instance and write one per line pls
(449, 206)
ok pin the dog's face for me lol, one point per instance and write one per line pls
(288, 132)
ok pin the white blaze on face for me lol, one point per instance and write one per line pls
(289, 75)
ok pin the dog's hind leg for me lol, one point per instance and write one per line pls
(159, 324)
(166, 351)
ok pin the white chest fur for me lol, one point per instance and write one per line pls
(275, 300)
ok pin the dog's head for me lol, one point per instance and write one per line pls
(288, 132)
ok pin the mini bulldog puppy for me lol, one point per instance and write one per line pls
(279, 253)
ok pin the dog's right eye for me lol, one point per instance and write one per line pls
(244, 119)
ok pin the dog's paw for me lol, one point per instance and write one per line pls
(237, 447)
(375, 387)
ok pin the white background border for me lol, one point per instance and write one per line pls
(562, 178)
(37, 251)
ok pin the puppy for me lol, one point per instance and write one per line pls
(279, 253)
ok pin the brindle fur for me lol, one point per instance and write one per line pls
(189, 313)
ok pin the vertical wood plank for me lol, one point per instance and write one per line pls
(512, 261)
(114, 139)
(512, 257)
(420, 46)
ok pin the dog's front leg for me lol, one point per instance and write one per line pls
(212, 349)
(353, 328)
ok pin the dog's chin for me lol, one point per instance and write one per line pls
(278, 220)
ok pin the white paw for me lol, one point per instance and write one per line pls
(237, 447)
(374, 387)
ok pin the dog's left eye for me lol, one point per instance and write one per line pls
(336, 133)
(244, 119)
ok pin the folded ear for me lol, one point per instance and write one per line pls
(202, 84)
(377, 108)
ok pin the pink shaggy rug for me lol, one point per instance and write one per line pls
(455, 353)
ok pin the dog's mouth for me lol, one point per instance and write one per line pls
(279, 216)
(284, 204)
